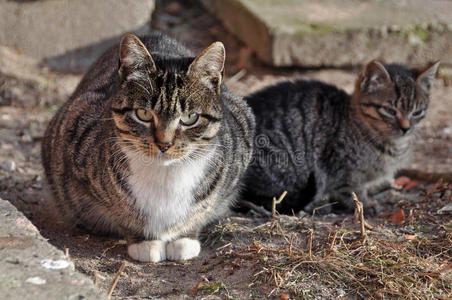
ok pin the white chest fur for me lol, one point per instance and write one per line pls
(164, 193)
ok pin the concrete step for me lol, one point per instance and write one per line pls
(31, 268)
(340, 32)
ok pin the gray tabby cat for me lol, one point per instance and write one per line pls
(150, 146)
(316, 141)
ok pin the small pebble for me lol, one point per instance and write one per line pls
(55, 264)
(446, 209)
(8, 165)
(36, 280)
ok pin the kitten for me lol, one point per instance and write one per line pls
(314, 140)
(150, 146)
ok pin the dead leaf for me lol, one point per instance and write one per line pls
(385, 214)
(285, 297)
(410, 237)
(410, 185)
(397, 218)
(406, 182)
(402, 181)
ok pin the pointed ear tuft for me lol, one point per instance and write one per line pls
(427, 76)
(374, 77)
(208, 66)
(134, 58)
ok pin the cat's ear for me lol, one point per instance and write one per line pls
(134, 58)
(208, 66)
(426, 77)
(374, 77)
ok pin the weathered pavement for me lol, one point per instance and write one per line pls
(69, 35)
(31, 268)
(340, 32)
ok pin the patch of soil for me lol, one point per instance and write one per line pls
(245, 256)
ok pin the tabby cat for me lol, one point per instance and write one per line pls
(319, 143)
(150, 146)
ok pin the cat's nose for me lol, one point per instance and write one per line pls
(405, 126)
(164, 146)
(405, 129)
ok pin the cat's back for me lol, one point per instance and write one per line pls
(299, 94)
(294, 120)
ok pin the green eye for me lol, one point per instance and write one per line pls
(144, 115)
(190, 119)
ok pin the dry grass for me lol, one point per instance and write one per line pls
(377, 268)
(311, 257)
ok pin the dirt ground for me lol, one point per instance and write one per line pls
(407, 253)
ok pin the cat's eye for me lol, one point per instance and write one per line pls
(390, 111)
(189, 119)
(418, 113)
(143, 115)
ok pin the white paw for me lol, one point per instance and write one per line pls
(182, 249)
(148, 251)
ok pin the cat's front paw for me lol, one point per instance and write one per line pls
(148, 251)
(182, 249)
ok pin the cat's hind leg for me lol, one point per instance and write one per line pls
(320, 199)
(148, 251)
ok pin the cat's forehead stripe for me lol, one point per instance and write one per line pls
(161, 88)
(175, 95)
(406, 93)
(168, 88)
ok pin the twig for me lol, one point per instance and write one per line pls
(360, 212)
(96, 280)
(224, 246)
(115, 281)
(311, 236)
(236, 77)
(66, 253)
(280, 199)
(258, 209)
(320, 207)
(333, 240)
(197, 286)
(433, 189)
(368, 226)
(120, 242)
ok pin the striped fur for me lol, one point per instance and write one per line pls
(314, 140)
(105, 165)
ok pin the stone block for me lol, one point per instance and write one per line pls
(337, 33)
(31, 268)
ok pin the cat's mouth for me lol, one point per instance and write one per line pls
(166, 159)
(169, 158)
